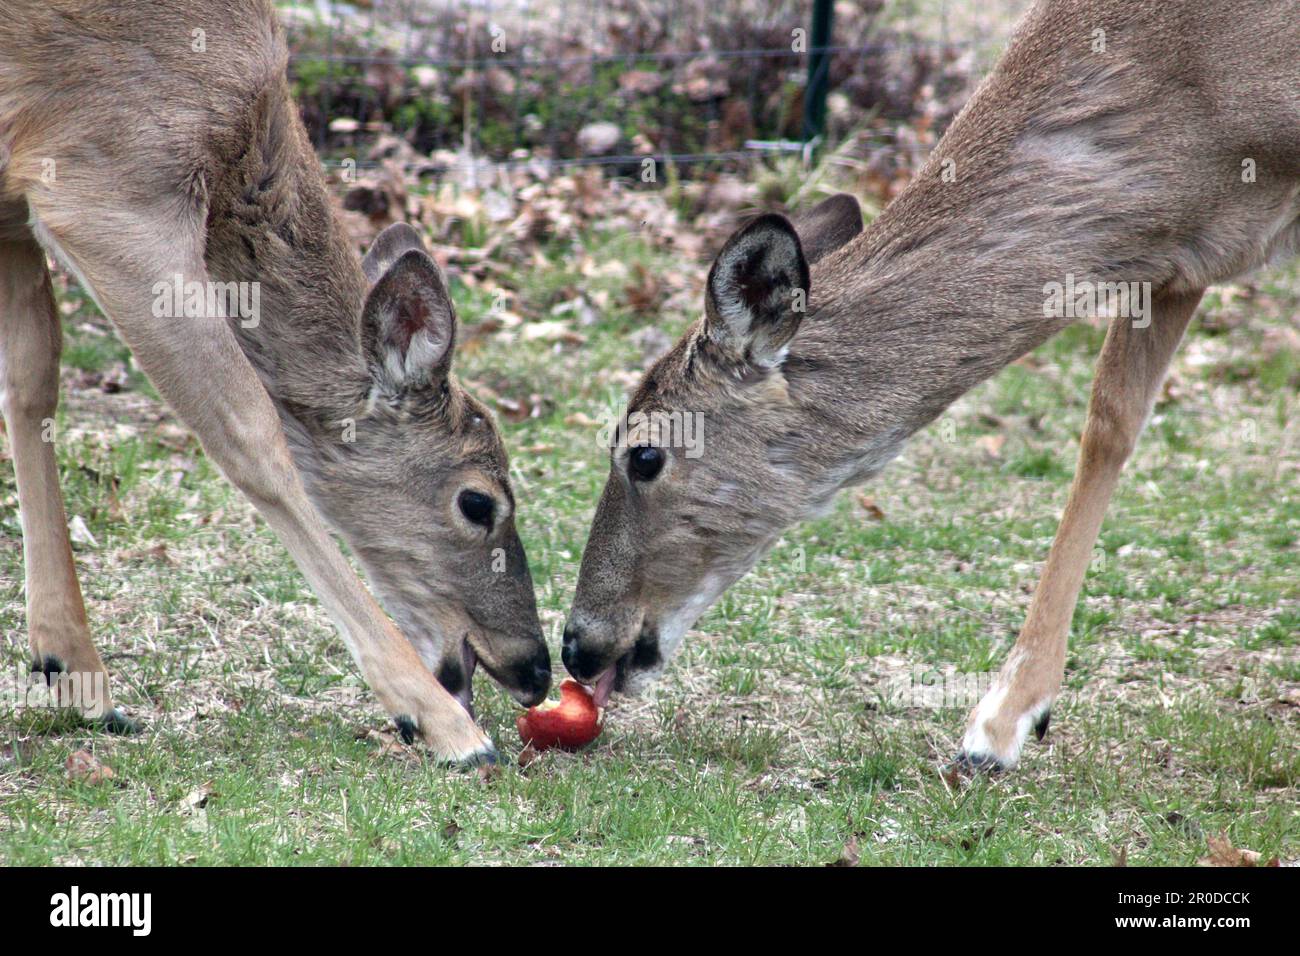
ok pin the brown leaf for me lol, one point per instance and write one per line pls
(197, 799)
(871, 508)
(645, 293)
(973, 840)
(992, 444)
(952, 777)
(85, 767)
(552, 330)
(387, 743)
(516, 410)
(1223, 853)
(528, 755)
(579, 420)
(850, 856)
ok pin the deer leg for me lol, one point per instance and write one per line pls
(30, 342)
(197, 366)
(1129, 373)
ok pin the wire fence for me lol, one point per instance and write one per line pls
(579, 82)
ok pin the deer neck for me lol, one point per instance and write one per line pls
(271, 225)
(965, 273)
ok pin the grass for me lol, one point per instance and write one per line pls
(772, 739)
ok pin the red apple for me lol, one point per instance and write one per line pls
(569, 723)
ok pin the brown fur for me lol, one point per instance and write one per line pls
(1122, 165)
(168, 160)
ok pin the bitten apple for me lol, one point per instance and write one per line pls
(569, 723)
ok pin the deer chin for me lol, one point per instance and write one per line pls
(656, 643)
(634, 671)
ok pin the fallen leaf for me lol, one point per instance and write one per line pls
(552, 331)
(1223, 853)
(79, 533)
(871, 508)
(197, 799)
(969, 843)
(388, 744)
(992, 444)
(850, 855)
(515, 411)
(579, 420)
(645, 293)
(85, 767)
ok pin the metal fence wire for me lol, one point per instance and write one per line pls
(579, 82)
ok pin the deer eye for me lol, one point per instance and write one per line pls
(645, 462)
(476, 507)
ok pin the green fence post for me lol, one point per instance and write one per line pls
(819, 65)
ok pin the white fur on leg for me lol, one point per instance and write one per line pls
(978, 745)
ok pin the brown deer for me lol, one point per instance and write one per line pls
(154, 149)
(1117, 143)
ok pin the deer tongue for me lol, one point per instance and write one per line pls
(604, 686)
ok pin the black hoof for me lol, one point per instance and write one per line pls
(975, 763)
(1040, 728)
(479, 759)
(406, 728)
(487, 757)
(117, 722)
(484, 757)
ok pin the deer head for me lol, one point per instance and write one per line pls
(679, 522)
(420, 488)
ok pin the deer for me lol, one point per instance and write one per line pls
(1138, 145)
(154, 150)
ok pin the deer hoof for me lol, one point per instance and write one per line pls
(974, 763)
(117, 722)
(486, 755)
(483, 757)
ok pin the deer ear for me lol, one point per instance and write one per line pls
(408, 324)
(388, 247)
(757, 292)
(828, 225)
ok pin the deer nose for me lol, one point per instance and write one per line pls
(542, 671)
(581, 663)
(536, 674)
